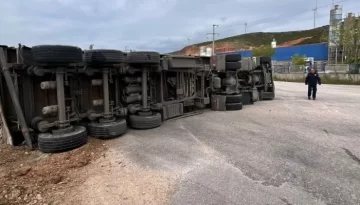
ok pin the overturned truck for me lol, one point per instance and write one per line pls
(237, 81)
(53, 96)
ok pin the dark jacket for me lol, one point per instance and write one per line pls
(312, 79)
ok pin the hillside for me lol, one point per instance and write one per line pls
(250, 40)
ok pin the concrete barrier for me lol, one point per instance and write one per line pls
(337, 68)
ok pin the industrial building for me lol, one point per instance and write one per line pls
(318, 51)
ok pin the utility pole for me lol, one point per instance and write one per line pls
(356, 47)
(315, 13)
(213, 34)
(245, 27)
(188, 41)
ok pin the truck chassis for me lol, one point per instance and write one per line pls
(54, 97)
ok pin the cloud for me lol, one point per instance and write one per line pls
(162, 25)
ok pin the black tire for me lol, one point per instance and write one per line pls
(145, 122)
(247, 98)
(233, 57)
(26, 55)
(35, 121)
(232, 65)
(265, 59)
(146, 113)
(54, 143)
(234, 98)
(143, 57)
(107, 130)
(56, 54)
(233, 106)
(103, 56)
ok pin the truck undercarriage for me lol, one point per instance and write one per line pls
(54, 97)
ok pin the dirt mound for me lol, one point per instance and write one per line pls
(220, 47)
(32, 177)
(294, 42)
(224, 47)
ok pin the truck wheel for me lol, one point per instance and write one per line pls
(233, 106)
(234, 98)
(233, 57)
(35, 121)
(107, 130)
(103, 56)
(56, 54)
(60, 142)
(247, 98)
(232, 65)
(145, 121)
(26, 55)
(143, 57)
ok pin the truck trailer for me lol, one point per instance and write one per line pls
(53, 97)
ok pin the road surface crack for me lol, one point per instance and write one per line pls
(351, 155)
(285, 201)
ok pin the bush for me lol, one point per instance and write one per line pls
(298, 59)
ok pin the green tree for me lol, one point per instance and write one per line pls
(263, 51)
(324, 37)
(298, 59)
(350, 39)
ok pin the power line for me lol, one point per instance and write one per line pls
(283, 16)
(213, 34)
(260, 21)
(279, 17)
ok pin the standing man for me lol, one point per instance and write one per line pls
(312, 79)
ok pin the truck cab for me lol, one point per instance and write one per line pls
(249, 77)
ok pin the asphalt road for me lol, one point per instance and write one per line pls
(286, 151)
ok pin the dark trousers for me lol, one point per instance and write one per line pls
(312, 88)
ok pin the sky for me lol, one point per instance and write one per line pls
(156, 25)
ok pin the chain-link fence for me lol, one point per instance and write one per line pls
(289, 69)
(337, 68)
(354, 68)
(333, 68)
